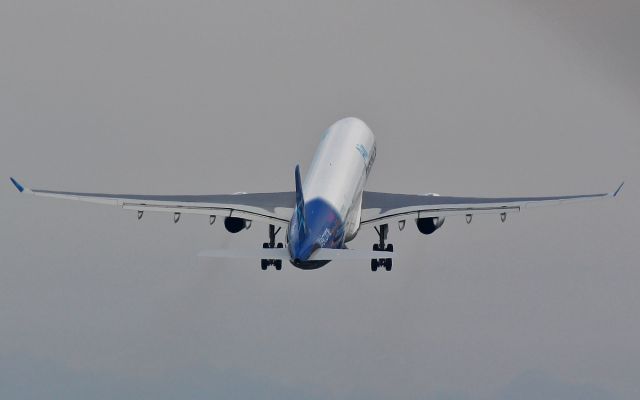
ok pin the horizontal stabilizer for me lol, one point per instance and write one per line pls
(276, 254)
(345, 254)
(283, 254)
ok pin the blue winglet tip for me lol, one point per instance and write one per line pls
(17, 185)
(618, 189)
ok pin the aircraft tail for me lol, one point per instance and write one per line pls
(300, 201)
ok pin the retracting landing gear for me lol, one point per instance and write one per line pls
(265, 263)
(380, 246)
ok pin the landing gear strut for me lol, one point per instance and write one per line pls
(380, 246)
(265, 263)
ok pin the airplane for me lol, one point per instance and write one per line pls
(326, 210)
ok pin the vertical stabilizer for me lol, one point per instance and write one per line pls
(300, 201)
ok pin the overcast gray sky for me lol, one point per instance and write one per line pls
(465, 98)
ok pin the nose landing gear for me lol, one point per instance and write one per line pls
(387, 263)
(265, 263)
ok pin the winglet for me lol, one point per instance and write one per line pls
(17, 185)
(618, 189)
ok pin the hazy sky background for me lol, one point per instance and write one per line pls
(465, 98)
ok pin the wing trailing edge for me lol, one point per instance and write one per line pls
(273, 207)
(383, 207)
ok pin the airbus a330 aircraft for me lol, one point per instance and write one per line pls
(326, 210)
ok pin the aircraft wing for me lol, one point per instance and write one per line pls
(273, 208)
(380, 208)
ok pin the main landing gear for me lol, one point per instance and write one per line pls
(380, 246)
(265, 263)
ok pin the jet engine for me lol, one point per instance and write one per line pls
(235, 224)
(427, 226)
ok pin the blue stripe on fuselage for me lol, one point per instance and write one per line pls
(324, 228)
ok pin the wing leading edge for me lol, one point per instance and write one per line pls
(384, 207)
(273, 208)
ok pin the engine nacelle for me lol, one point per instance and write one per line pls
(427, 226)
(235, 224)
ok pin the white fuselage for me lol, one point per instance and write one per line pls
(340, 168)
